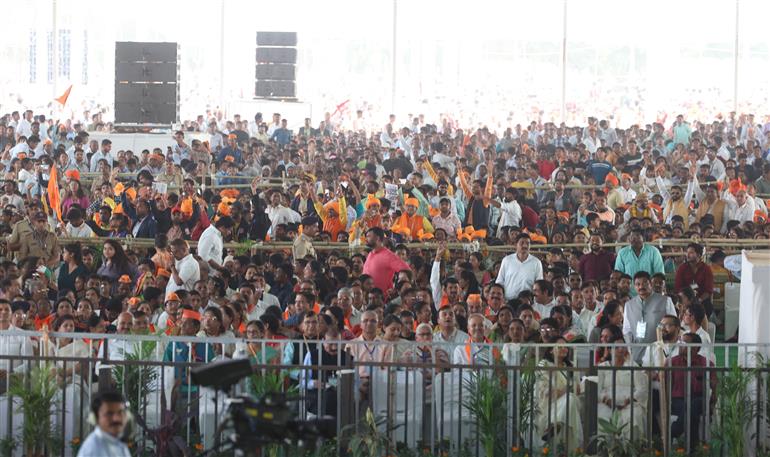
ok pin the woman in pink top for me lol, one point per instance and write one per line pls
(74, 195)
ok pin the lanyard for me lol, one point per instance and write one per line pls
(468, 350)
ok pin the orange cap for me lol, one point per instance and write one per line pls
(172, 297)
(333, 206)
(371, 200)
(125, 279)
(223, 209)
(133, 301)
(411, 201)
(190, 314)
(473, 298)
(186, 206)
(230, 193)
(73, 174)
(611, 179)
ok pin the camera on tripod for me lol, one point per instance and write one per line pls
(257, 422)
(270, 420)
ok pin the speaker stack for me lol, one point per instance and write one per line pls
(276, 65)
(146, 83)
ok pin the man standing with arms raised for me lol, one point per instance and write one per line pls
(520, 270)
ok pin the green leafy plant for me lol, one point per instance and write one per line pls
(485, 396)
(528, 406)
(7, 446)
(734, 412)
(270, 382)
(135, 381)
(611, 441)
(367, 441)
(37, 393)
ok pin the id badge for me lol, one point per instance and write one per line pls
(641, 330)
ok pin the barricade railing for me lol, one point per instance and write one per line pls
(726, 244)
(434, 398)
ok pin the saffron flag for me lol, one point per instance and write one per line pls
(54, 199)
(65, 96)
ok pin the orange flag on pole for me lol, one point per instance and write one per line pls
(64, 96)
(54, 199)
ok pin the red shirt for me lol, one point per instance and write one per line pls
(381, 264)
(701, 275)
(595, 267)
(545, 168)
(698, 376)
(529, 217)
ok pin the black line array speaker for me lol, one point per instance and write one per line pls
(276, 89)
(146, 83)
(276, 71)
(277, 39)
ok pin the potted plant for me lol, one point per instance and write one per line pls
(486, 395)
(135, 381)
(37, 393)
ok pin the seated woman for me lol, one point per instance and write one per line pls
(609, 333)
(70, 375)
(612, 313)
(569, 328)
(513, 353)
(623, 392)
(557, 419)
(259, 352)
(531, 324)
(499, 332)
(692, 318)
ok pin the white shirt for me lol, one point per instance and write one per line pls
(18, 149)
(480, 353)
(84, 231)
(189, 272)
(265, 302)
(281, 215)
(211, 245)
(592, 144)
(458, 337)
(516, 276)
(102, 444)
(24, 128)
(13, 345)
(510, 214)
(740, 213)
(99, 155)
(629, 195)
(118, 350)
(543, 310)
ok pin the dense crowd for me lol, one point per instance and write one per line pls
(423, 210)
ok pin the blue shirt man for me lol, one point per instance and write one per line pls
(638, 257)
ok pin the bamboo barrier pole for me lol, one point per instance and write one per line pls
(278, 245)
